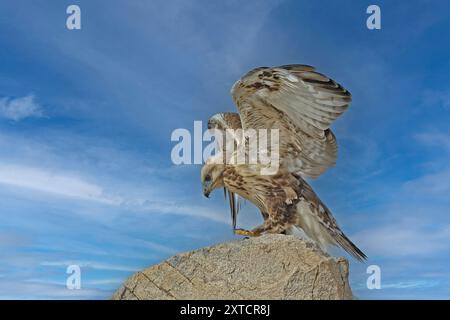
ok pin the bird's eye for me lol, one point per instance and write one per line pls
(208, 178)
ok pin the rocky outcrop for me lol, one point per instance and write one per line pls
(266, 267)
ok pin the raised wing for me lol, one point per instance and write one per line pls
(226, 122)
(302, 104)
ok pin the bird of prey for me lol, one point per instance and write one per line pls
(301, 103)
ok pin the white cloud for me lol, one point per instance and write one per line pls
(434, 139)
(54, 183)
(188, 209)
(436, 184)
(405, 284)
(36, 290)
(86, 284)
(153, 246)
(413, 284)
(19, 108)
(414, 223)
(111, 281)
(70, 186)
(91, 265)
(408, 237)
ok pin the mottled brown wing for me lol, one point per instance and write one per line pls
(226, 122)
(302, 104)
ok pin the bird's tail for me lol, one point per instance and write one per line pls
(323, 227)
(346, 244)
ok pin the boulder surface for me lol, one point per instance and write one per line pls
(266, 267)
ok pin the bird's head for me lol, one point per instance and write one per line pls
(212, 177)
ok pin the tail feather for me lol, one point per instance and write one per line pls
(346, 244)
(319, 224)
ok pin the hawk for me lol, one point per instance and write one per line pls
(301, 103)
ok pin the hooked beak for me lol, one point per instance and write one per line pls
(206, 190)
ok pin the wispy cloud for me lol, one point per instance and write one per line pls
(413, 223)
(413, 284)
(71, 186)
(403, 237)
(434, 139)
(19, 108)
(435, 184)
(54, 183)
(91, 265)
(168, 207)
(110, 281)
(154, 246)
(41, 290)
(86, 284)
(404, 284)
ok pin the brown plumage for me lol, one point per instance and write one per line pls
(301, 103)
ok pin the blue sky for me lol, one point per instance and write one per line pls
(86, 117)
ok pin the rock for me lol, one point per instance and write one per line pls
(266, 267)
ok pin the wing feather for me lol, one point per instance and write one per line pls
(302, 104)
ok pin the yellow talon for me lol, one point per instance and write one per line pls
(246, 233)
